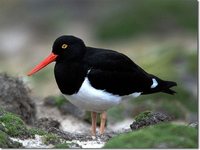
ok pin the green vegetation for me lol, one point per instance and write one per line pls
(48, 138)
(51, 139)
(37, 131)
(153, 16)
(159, 136)
(60, 100)
(13, 125)
(62, 145)
(116, 113)
(143, 116)
(6, 142)
(56, 100)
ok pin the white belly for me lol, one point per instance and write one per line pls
(91, 99)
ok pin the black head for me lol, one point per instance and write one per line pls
(65, 49)
(68, 47)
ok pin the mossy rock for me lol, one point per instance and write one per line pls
(6, 142)
(148, 118)
(62, 145)
(37, 131)
(143, 116)
(51, 138)
(165, 135)
(13, 125)
(15, 98)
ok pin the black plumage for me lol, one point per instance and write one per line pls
(109, 70)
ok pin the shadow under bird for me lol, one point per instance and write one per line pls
(97, 79)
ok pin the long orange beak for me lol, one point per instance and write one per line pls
(44, 63)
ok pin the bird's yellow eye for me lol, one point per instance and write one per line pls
(64, 46)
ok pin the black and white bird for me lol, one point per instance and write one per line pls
(97, 79)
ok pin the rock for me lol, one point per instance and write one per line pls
(194, 125)
(15, 98)
(69, 108)
(47, 123)
(49, 101)
(64, 106)
(6, 142)
(149, 118)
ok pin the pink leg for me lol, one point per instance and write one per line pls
(103, 122)
(94, 120)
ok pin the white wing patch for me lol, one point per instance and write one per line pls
(155, 83)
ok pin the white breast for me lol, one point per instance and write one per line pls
(92, 99)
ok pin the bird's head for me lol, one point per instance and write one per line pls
(65, 48)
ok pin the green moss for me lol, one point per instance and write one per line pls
(62, 145)
(14, 126)
(34, 131)
(3, 139)
(6, 142)
(48, 138)
(143, 116)
(51, 139)
(60, 100)
(158, 136)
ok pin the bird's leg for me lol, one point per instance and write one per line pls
(94, 120)
(103, 122)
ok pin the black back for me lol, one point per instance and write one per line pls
(106, 70)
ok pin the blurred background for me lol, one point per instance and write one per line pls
(160, 36)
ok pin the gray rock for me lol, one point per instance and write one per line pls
(69, 108)
(47, 124)
(15, 98)
(150, 119)
(50, 101)
(194, 125)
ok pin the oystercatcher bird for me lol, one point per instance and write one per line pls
(97, 79)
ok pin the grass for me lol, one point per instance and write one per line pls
(143, 116)
(152, 16)
(60, 100)
(51, 139)
(164, 135)
(5, 141)
(14, 126)
(37, 131)
(62, 145)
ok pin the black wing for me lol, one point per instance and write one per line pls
(115, 73)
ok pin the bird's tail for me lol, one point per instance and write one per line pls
(161, 86)
(168, 85)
